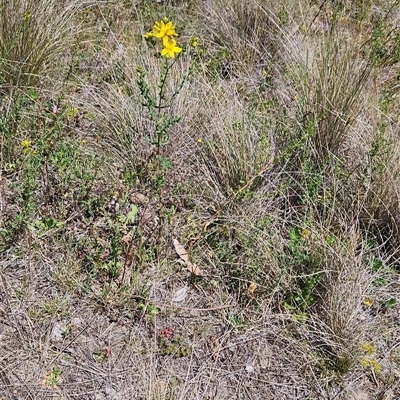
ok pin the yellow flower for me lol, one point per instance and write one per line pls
(26, 143)
(305, 233)
(170, 48)
(194, 41)
(164, 28)
(368, 301)
(26, 146)
(251, 289)
(375, 365)
(368, 348)
(372, 363)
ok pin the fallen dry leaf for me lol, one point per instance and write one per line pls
(194, 269)
(183, 254)
(138, 198)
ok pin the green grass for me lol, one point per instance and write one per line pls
(269, 152)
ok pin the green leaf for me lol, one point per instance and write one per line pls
(391, 303)
(131, 217)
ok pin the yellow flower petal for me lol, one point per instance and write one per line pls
(170, 48)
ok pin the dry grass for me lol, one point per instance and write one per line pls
(280, 179)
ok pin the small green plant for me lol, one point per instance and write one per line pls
(384, 44)
(53, 169)
(235, 320)
(389, 304)
(52, 378)
(170, 344)
(52, 309)
(149, 311)
(102, 355)
(23, 290)
(304, 262)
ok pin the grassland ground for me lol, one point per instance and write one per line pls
(199, 199)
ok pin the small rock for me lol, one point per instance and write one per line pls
(180, 295)
(56, 334)
(112, 394)
(249, 369)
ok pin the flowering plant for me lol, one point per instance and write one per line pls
(158, 102)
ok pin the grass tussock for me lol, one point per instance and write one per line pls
(217, 223)
(30, 46)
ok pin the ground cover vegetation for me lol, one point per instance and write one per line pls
(199, 199)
